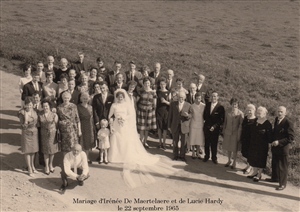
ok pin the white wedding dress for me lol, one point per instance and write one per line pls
(126, 147)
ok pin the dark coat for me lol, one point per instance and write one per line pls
(28, 90)
(284, 133)
(176, 118)
(214, 119)
(100, 109)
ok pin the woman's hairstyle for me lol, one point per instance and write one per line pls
(84, 94)
(145, 68)
(49, 73)
(263, 109)
(28, 100)
(162, 79)
(179, 79)
(96, 83)
(83, 75)
(120, 93)
(198, 94)
(251, 106)
(234, 101)
(46, 101)
(132, 83)
(26, 67)
(64, 76)
(93, 69)
(65, 93)
(63, 60)
(146, 79)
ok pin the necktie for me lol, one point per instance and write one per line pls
(192, 98)
(212, 108)
(36, 86)
(169, 84)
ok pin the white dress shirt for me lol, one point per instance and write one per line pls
(180, 106)
(213, 105)
(80, 161)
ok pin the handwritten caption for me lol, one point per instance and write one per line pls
(138, 204)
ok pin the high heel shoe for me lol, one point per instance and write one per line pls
(252, 176)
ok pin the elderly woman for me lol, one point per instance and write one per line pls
(62, 70)
(68, 123)
(146, 119)
(196, 126)
(48, 123)
(85, 112)
(29, 139)
(248, 122)
(232, 129)
(84, 85)
(260, 137)
(50, 88)
(25, 79)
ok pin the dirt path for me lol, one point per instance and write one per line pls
(196, 180)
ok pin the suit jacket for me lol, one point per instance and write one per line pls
(78, 66)
(156, 79)
(284, 133)
(137, 76)
(28, 90)
(115, 86)
(111, 77)
(173, 84)
(204, 94)
(176, 118)
(100, 109)
(214, 119)
(189, 98)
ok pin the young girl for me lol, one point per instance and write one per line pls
(103, 137)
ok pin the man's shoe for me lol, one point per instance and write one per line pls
(175, 158)
(80, 183)
(280, 188)
(205, 159)
(270, 180)
(183, 159)
(63, 187)
(215, 161)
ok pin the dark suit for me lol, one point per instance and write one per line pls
(78, 67)
(189, 98)
(284, 134)
(179, 125)
(115, 86)
(100, 109)
(156, 79)
(215, 120)
(204, 94)
(136, 76)
(111, 77)
(54, 70)
(28, 90)
(172, 86)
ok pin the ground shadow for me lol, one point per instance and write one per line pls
(11, 139)
(9, 124)
(9, 112)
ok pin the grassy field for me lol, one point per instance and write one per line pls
(248, 49)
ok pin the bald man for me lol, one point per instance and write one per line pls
(75, 166)
(283, 136)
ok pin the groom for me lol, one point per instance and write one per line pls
(101, 104)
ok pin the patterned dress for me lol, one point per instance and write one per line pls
(67, 125)
(29, 137)
(87, 140)
(48, 133)
(146, 119)
(196, 125)
(162, 110)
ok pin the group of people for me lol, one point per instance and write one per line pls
(77, 107)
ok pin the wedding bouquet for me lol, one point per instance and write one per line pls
(120, 121)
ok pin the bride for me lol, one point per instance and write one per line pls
(126, 147)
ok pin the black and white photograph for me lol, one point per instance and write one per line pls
(160, 105)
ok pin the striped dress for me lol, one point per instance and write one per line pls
(146, 119)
